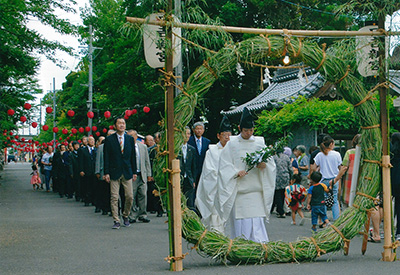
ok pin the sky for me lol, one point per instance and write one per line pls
(48, 70)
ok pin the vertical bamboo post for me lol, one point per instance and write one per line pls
(175, 222)
(176, 190)
(387, 254)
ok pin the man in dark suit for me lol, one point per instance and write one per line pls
(120, 169)
(201, 144)
(87, 162)
(79, 187)
(187, 158)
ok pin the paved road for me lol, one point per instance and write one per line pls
(41, 233)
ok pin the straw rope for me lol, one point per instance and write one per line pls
(269, 43)
(229, 248)
(266, 250)
(366, 210)
(344, 76)
(373, 161)
(200, 239)
(194, 44)
(205, 64)
(375, 200)
(370, 127)
(323, 57)
(319, 250)
(165, 170)
(371, 92)
(293, 254)
(175, 258)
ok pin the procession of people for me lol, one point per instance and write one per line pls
(116, 176)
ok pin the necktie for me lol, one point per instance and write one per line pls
(121, 144)
(199, 146)
(184, 152)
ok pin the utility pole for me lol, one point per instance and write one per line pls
(40, 115)
(90, 100)
(54, 111)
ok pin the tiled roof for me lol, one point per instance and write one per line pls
(394, 78)
(285, 87)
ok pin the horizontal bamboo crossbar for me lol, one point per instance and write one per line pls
(231, 29)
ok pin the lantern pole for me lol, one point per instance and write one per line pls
(387, 255)
(90, 100)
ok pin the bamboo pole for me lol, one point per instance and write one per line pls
(175, 223)
(387, 254)
(176, 186)
(231, 29)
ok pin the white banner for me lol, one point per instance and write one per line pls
(154, 43)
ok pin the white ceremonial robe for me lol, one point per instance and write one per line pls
(207, 189)
(245, 200)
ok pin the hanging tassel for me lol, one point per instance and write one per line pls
(267, 77)
(239, 70)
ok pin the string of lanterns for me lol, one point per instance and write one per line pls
(34, 146)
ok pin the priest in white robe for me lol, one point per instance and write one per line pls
(207, 188)
(244, 198)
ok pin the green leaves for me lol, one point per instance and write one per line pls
(330, 116)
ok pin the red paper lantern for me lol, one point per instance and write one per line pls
(146, 109)
(49, 110)
(60, 138)
(94, 128)
(81, 130)
(34, 124)
(22, 119)
(74, 131)
(11, 133)
(80, 141)
(90, 115)
(27, 106)
(107, 114)
(23, 139)
(134, 112)
(45, 127)
(55, 129)
(126, 117)
(36, 142)
(68, 138)
(87, 129)
(128, 113)
(64, 131)
(98, 134)
(10, 112)
(111, 127)
(70, 113)
(104, 130)
(17, 136)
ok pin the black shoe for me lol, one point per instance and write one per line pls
(97, 210)
(132, 220)
(281, 216)
(143, 219)
(159, 215)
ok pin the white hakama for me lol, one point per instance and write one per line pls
(207, 189)
(244, 203)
